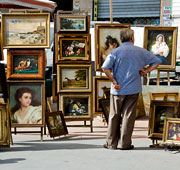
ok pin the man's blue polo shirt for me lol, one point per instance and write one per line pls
(126, 61)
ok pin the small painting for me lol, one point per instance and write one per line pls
(72, 23)
(75, 106)
(27, 64)
(56, 124)
(74, 78)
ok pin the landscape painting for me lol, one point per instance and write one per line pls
(72, 23)
(25, 30)
(74, 78)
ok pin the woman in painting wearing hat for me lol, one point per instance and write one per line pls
(26, 109)
(160, 49)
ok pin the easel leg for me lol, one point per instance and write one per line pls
(91, 124)
(15, 132)
(168, 75)
(158, 77)
(84, 123)
(148, 79)
(41, 134)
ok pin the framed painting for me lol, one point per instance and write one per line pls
(73, 78)
(162, 42)
(26, 30)
(4, 125)
(101, 90)
(56, 124)
(171, 133)
(25, 64)
(164, 96)
(103, 34)
(76, 106)
(159, 110)
(72, 23)
(73, 48)
(27, 103)
(1, 47)
(105, 105)
(3, 84)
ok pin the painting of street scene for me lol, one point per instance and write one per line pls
(25, 64)
(76, 106)
(23, 30)
(73, 47)
(72, 24)
(75, 78)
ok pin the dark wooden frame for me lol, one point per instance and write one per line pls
(56, 131)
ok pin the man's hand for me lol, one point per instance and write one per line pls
(142, 72)
(116, 86)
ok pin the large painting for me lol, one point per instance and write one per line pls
(104, 34)
(162, 42)
(27, 103)
(74, 78)
(26, 30)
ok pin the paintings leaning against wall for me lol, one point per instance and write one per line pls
(26, 30)
(76, 106)
(73, 78)
(25, 64)
(73, 48)
(56, 124)
(162, 42)
(27, 103)
(101, 90)
(72, 23)
(171, 133)
(158, 111)
(104, 34)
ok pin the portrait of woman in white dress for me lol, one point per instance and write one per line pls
(160, 49)
(26, 110)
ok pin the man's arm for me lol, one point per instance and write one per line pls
(109, 75)
(148, 69)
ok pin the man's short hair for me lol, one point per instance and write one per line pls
(126, 35)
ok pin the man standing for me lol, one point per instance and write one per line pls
(127, 63)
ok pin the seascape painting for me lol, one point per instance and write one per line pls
(72, 23)
(25, 30)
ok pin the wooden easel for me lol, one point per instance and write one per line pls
(158, 77)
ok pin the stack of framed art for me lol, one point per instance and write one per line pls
(73, 66)
(162, 106)
(25, 36)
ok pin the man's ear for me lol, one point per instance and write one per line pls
(132, 39)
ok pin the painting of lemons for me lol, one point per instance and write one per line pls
(25, 30)
(75, 78)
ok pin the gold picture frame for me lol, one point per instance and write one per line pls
(73, 48)
(25, 30)
(76, 106)
(171, 133)
(164, 96)
(159, 110)
(73, 78)
(35, 116)
(102, 31)
(165, 51)
(25, 64)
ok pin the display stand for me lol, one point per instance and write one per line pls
(158, 77)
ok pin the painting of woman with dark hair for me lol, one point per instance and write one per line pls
(27, 110)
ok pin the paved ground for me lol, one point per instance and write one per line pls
(82, 150)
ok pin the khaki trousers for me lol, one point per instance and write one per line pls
(122, 112)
